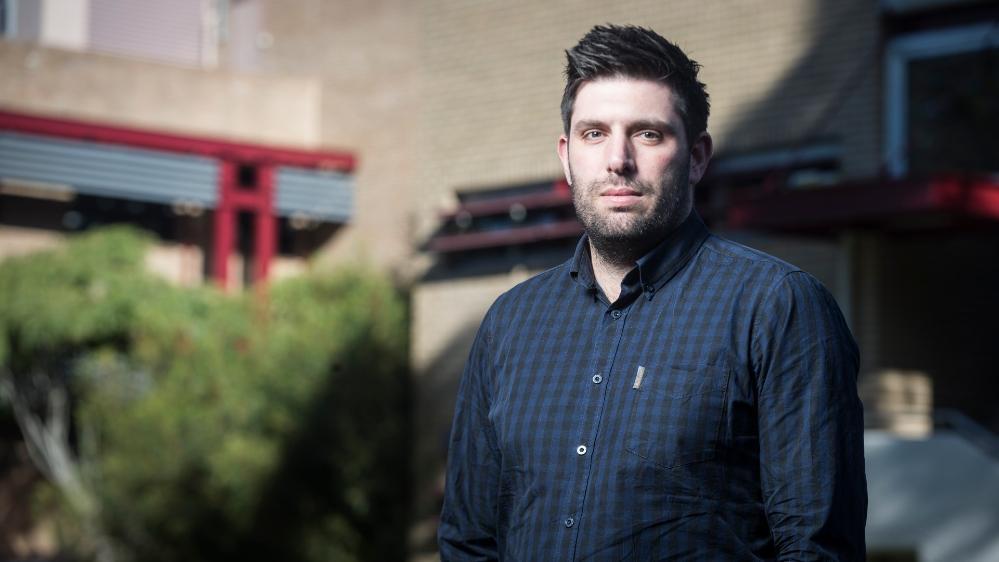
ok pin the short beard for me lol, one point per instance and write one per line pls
(623, 244)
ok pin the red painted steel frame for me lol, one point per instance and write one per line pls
(970, 196)
(266, 223)
(258, 199)
(214, 148)
(224, 231)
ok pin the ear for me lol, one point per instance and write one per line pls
(563, 155)
(700, 155)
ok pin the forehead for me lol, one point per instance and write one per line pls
(622, 99)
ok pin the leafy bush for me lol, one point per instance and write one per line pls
(270, 426)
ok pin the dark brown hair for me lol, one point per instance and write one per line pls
(636, 52)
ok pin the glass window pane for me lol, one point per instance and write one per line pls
(953, 115)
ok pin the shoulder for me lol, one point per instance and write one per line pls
(529, 294)
(775, 282)
(744, 258)
(538, 286)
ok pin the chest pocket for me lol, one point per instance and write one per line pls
(677, 413)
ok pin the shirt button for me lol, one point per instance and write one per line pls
(569, 522)
(650, 289)
(581, 450)
(615, 314)
(597, 379)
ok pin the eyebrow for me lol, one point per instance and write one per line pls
(655, 124)
(588, 124)
(639, 125)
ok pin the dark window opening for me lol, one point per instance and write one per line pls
(303, 238)
(740, 177)
(84, 212)
(246, 177)
(952, 113)
(245, 241)
(899, 555)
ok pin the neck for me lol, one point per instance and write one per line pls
(612, 259)
(609, 273)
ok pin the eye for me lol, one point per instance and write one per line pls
(593, 134)
(649, 135)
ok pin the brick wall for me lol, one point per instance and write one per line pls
(365, 55)
(779, 73)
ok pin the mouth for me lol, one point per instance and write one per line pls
(620, 192)
(620, 196)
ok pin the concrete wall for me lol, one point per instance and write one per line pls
(120, 91)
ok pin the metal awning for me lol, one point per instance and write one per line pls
(870, 203)
(67, 156)
(164, 168)
(106, 170)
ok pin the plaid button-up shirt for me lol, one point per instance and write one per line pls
(710, 413)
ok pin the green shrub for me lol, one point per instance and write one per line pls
(266, 426)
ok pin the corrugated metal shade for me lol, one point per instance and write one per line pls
(106, 170)
(315, 194)
(157, 176)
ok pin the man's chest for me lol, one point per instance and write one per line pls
(579, 383)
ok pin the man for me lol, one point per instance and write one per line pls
(665, 394)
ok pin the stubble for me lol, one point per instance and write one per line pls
(621, 236)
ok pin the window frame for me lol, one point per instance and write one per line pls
(8, 27)
(914, 46)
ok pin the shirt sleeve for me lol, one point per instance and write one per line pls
(468, 519)
(810, 423)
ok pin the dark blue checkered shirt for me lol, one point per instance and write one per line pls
(711, 413)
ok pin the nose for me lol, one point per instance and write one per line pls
(620, 156)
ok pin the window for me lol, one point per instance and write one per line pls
(19, 19)
(7, 28)
(183, 32)
(940, 110)
(797, 167)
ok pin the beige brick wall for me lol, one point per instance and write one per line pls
(440, 95)
(779, 73)
(16, 241)
(365, 55)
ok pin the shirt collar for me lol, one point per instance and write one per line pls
(655, 268)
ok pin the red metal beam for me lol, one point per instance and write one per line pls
(559, 196)
(170, 142)
(257, 199)
(870, 201)
(224, 228)
(507, 237)
(265, 227)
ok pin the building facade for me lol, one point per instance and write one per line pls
(853, 138)
(850, 139)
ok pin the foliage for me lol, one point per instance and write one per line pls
(208, 427)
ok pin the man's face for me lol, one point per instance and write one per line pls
(628, 161)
